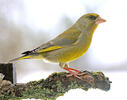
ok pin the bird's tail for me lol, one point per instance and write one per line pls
(20, 58)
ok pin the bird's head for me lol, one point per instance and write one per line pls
(93, 18)
(90, 19)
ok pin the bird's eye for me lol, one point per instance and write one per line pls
(92, 17)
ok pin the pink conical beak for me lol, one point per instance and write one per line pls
(100, 20)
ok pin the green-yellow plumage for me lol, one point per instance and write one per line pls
(69, 45)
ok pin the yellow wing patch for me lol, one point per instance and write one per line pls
(50, 49)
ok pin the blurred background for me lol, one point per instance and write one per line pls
(26, 24)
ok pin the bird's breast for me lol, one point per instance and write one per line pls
(76, 51)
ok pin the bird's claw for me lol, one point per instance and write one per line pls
(83, 76)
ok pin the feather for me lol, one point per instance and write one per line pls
(20, 58)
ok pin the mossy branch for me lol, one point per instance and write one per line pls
(55, 85)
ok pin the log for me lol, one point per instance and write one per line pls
(57, 84)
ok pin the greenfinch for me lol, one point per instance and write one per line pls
(69, 45)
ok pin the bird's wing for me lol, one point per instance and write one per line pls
(67, 38)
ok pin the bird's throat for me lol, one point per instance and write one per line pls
(94, 28)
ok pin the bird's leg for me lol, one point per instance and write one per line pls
(72, 72)
(77, 73)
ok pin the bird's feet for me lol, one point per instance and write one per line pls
(73, 72)
(80, 75)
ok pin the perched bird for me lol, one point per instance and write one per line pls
(68, 46)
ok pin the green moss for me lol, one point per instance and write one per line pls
(96, 73)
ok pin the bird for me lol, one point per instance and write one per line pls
(69, 45)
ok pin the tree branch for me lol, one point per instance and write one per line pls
(54, 86)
